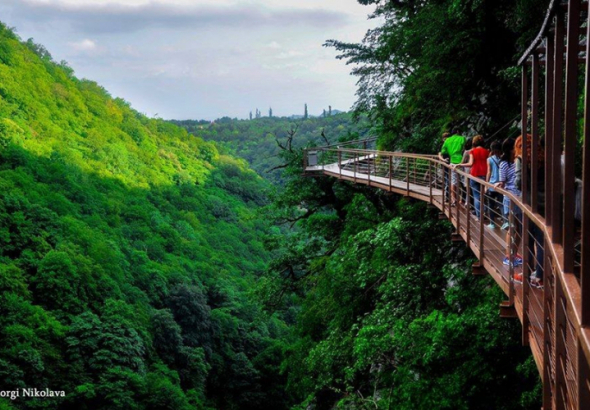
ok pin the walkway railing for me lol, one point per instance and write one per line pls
(552, 240)
(426, 178)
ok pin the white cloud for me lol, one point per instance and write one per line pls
(84, 45)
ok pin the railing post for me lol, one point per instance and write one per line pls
(570, 137)
(407, 176)
(511, 254)
(340, 162)
(369, 169)
(467, 210)
(556, 138)
(549, 74)
(524, 131)
(534, 133)
(481, 224)
(525, 277)
(390, 170)
(547, 332)
(444, 187)
(585, 271)
(458, 205)
(430, 180)
(356, 161)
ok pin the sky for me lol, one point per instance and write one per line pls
(202, 59)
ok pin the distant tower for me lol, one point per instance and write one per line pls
(270, 112)
(305, 113)
(329, 110)
(250, 115)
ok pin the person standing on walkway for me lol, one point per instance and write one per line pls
(535, 234)
(478, 168)
(508, 182)
(453, 147)
(494, 198)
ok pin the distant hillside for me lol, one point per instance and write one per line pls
(256, 140)
(127, 252)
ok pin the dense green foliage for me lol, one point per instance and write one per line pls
(127, 252)
(259, 141)
(133, 253)
(436, 64)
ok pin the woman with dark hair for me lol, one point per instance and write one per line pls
(478, 167)
(508, 182)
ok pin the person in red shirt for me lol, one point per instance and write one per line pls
(478, 161)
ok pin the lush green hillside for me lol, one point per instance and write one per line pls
(257, 141)
(127, 252)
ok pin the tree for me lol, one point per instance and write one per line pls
(270, 112)
(189, 307)
(305, 113)
(250, 115)
(425, 52)
(167, 336)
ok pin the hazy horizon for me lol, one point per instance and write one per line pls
(203, 59)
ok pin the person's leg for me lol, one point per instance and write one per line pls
(476, 189)
(454, 185)
(506, 213)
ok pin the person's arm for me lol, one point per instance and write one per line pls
(468, 163)
(488, 175)
(501, 183)
(443, 151)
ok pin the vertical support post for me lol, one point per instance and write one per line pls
(390, 170)
(445, 181)
(585, 272)
(481, 224)
(535, 133)
(556, 178)
(524, 131)
(369, 169)
(356, 161)
(511, 253)
(547, 332)
(407, 176)
(305, 160)
(468, 211)
(525, 278)
(340, 162)
(560, 349)
(570, 137)
(549, 75)
(430, 180)
(458, 207)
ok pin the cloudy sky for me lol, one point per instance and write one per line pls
(202, 59)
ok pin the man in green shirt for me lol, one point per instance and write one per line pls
(453, 148)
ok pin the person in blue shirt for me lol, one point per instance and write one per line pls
(494, 198)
